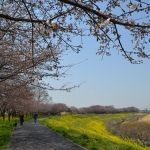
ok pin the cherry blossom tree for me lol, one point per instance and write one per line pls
(34, 34)
(39, 31)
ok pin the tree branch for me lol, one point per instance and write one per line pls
(83, 7)
(104, 16)
(121, 46)
(21, 19)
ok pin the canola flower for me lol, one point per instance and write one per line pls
(90, 131)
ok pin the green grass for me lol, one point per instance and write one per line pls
(90, 131)
(6, 129)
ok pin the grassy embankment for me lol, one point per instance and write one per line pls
(90, 131)
(6, 129)
(135, 128)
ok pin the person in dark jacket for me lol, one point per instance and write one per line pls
(21, 118)
(35, 117)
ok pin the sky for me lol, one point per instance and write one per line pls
(108, 81)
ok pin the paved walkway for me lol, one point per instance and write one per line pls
(32, 136)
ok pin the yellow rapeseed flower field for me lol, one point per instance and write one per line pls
(90, 131)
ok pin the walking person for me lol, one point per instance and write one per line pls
(35, 117)
(21, 118)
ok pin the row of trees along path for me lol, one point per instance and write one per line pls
(33, 136)
(35, 35)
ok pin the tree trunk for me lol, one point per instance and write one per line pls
(9, 114)
(3, 115)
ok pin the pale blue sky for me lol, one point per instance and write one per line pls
(111, 81)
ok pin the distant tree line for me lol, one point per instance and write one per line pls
(58, 108)
(26, 101)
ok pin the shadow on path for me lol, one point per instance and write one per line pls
(32, 136)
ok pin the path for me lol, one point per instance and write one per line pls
(32, 136)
